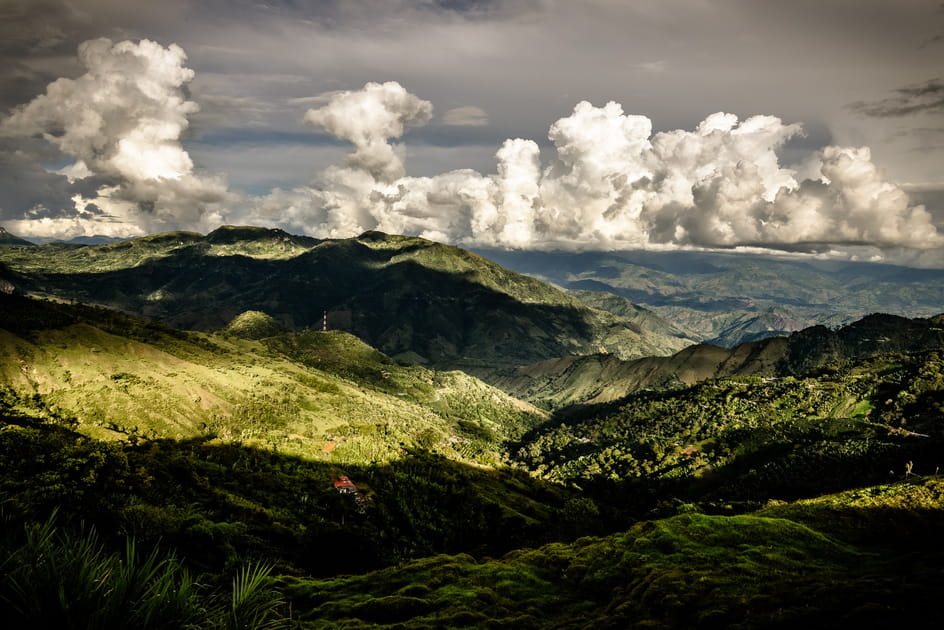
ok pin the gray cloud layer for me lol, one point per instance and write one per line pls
(524, 62)
(924, 98)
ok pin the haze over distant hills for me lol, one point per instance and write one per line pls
(6, 238)
(728, 298)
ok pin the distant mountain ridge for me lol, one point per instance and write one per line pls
(6, 238)
(728, 298)
(601, 378)
(413, 299)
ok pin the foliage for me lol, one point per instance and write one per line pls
(752, 439)
(744, 501)
(223, 502)
(252, 604)
(57, 578)
(254, 325)
(327, 396)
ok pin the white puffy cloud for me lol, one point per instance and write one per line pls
(611, 184)
(854, 204)
(122, 121)
(369, 118)
(608, 183)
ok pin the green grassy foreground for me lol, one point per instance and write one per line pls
(687, 571)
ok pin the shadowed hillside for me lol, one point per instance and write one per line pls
(698, 507)
(785, 482)
(411, 298)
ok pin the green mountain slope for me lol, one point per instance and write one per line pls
(644, 318)
(867, 557)
(707, 506)
(597, 379)
(323, 395)
(229, 448)
(411, 298)
(749, 439)
(217, 502)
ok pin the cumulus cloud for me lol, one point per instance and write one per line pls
(369, 118)
(121, 121)
(611, 184)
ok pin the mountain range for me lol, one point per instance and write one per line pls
(596, 379)
(728, 298)
(175, 419)
(413, 299)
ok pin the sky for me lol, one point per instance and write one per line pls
(803, 127)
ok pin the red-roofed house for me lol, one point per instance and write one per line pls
(344, 485)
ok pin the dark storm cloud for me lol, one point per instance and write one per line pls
(798, 148)
(23, 180)
(38, 38)
(937, 39)
(451, 136)
(35, 39)
(234, 137)
(923, 98)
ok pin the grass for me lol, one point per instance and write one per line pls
(296, 392)
(906, 513)
(692, 570)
